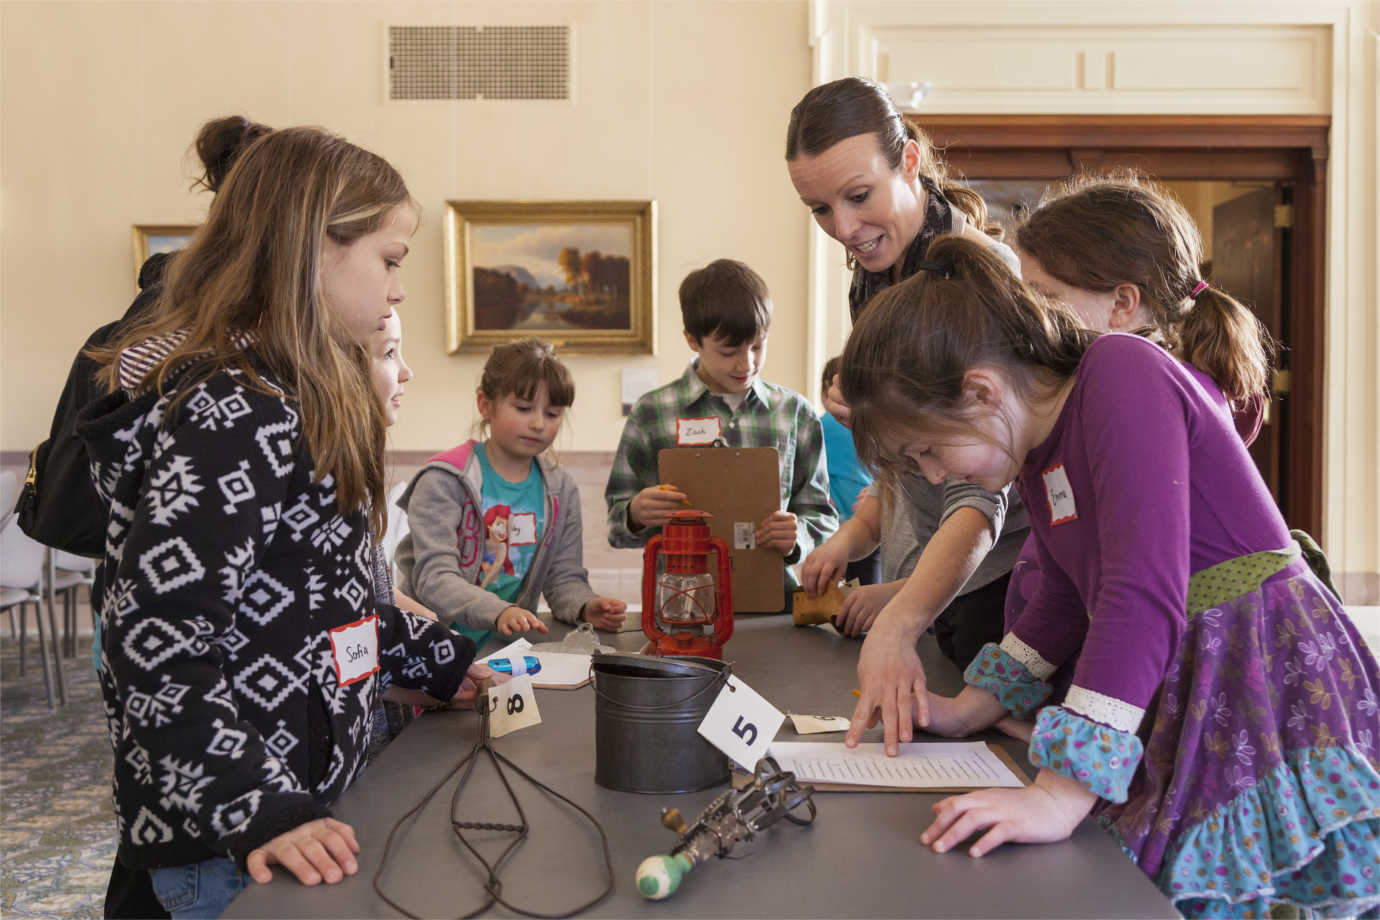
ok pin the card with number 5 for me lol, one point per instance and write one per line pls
(741, 723)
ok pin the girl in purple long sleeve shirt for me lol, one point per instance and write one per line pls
(1222, 719)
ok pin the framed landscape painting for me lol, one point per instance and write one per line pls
(580, 274)
(154, 238)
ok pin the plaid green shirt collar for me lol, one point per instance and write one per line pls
(691, 389)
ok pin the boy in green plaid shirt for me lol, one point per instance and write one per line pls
(721, 399)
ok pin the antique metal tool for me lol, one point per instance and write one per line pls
(736, 816)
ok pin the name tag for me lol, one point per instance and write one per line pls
(1060, 495)
(356, 650)
(694, 432)
(522, 529)
(741, 723)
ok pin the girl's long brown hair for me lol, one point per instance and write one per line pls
(1097, 232)
(836, 111)
(255, 266)
(905, 361)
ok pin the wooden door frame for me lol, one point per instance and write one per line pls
(1284, 148)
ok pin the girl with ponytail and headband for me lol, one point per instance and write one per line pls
(1122, 254)
(1222, 717)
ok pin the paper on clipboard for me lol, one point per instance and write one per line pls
(738, 487)
(920, 766)
(559, 670)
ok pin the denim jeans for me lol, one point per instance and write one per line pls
(203, 889)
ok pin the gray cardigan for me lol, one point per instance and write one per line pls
(438, 559)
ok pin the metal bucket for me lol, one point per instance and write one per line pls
(646, 713)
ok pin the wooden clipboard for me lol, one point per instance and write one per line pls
(737, 486)
(741, 779)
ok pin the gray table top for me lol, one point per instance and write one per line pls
(862, 856)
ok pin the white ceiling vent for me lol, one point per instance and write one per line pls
(479, 62)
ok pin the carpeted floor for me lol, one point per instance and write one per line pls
(57, 827)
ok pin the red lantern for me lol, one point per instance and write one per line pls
(686, 609)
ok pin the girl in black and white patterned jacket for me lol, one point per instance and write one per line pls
(240, 453)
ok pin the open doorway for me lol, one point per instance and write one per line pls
(1255, 187)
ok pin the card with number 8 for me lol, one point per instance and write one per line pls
(512, 705)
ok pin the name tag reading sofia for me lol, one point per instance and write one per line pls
(355, 647)
(698, 432)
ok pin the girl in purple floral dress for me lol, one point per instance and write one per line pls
(1222, 717)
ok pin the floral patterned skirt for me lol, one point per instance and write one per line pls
(1260, 783)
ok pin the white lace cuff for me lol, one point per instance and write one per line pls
(1037, 666)
(1108, 710)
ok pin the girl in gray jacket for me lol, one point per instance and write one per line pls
(493, 524)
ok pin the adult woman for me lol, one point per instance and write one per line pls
(874, 183)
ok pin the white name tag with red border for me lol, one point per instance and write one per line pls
(696, 432)
(1060, 495)
(355, 647)
(522, 529)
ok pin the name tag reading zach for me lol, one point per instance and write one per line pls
(355, 647)
(1060, 495)
(696, 432)
(741, 723)
(512, 705)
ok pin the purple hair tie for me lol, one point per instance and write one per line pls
(1198, 289)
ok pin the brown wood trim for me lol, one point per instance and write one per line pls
(1308, 355)
(1136, 131)
(1288, 148)
(1025, 163)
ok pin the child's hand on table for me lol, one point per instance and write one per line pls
(317, 850)
(606, 613)
(1044, 812)
(777, 531)
(515, 619)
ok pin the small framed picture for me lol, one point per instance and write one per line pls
(580, 274)
(154, 238)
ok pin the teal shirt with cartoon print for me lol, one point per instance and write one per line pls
(512, 528)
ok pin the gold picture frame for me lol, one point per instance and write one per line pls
(580, 274)
(154, 238)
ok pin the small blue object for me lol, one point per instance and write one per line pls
(528, 665)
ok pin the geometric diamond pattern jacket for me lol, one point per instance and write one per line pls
(226, 567)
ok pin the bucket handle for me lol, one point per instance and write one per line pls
(720, 680)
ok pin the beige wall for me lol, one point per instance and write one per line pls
(684, 103)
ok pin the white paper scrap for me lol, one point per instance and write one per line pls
(919, 765)
(813, 725)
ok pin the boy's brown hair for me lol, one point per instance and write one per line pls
(725, 299)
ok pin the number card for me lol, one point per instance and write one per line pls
(741, 723)
(512, 705)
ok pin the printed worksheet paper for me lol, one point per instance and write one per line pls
(920, 765)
